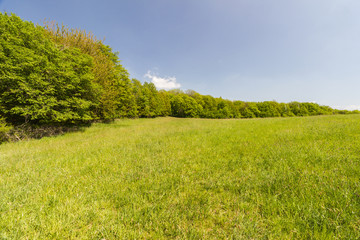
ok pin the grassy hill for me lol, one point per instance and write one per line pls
(280, 178)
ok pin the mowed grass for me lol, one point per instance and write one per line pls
(168, 178)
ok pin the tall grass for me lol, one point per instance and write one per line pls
(167, 178)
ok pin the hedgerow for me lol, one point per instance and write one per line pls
(55, 76)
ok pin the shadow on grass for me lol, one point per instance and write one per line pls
(27, 131)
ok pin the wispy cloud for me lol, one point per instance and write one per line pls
(162, 83)
(349, 107)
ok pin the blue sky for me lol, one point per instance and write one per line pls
(252, 50)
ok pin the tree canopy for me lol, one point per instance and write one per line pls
(53, 75)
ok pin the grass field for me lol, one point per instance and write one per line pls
(167, 178)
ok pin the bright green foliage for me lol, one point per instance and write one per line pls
(298, 109)
(149, 101)
(164, 103)
(269, 109)
(125, 100)
(326, 110)
(209, 106)
(56, 75)
(145, 98)
(226, 109)
(151, 95)
(284, 110)
(40, 82)
(142, 105)
(247, 109)
(169, 178)
(193, 104)
(114, 88)
(182, 105)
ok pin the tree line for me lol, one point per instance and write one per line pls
(54, 75)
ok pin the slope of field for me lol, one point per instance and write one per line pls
(280, 178)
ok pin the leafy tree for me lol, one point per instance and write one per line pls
(209, 106)
(125, 99)
(285, 110)
(39, 81)
(149, 90)
(164, 103)
(298, 109)
(111, 78)
(223, 110)
(268, 109)
(249, 110)
(325, 110)
(183, 105)
(150, 102)
(57, 75)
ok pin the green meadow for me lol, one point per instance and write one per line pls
(169, 178)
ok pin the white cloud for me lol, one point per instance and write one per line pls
(352, 107)
(162, 83)
(349, 107)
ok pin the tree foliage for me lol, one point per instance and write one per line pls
(111, 78)
(54, 75)
(39, 81)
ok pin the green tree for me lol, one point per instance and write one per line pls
(299, 109)
(183, 105)
(164, 103)
(269, 109)
(110, 77)
(285, 110)
(209, 106)
(40, 82)
(223, 109)
(250, 110)
(149, 90)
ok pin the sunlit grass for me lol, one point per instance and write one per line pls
(285, 178)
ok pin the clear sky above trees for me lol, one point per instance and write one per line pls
(249, 50)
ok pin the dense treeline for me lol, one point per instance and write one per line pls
(57, 76)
